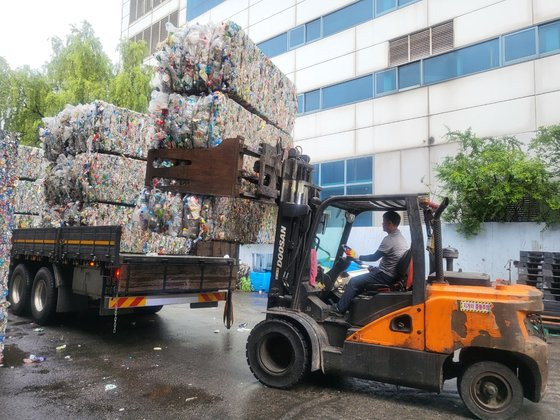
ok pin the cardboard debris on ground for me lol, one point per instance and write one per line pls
(94, 127)
(199, 59)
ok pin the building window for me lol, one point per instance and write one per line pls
(347, 17)
(275, 46)
(156, 33)
(348, 92)
(520, 45)
(462, 62)
(297, 36)
(469, 60)
(385, 81)
(549, 37)
(196, 8)
(384, 6)
(346, 177)
(410, 75)
(312, 100)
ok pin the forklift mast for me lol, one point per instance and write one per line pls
(295, 215)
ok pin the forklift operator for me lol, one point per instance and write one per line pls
(391, 249)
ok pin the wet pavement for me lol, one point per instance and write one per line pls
(200, 372)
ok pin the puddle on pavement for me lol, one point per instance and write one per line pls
(173, 395)
(13, 356)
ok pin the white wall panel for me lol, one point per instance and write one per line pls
(544, 10)
(227, 9)
(365, 143)
(336, 120)
(203, 19)
(483, 88)
(365, 34)
(400, 135)
(335, 146)
(442, 10)
(508, 117)
(437, 154)
(305, 127)
(241, 18)
(387, 173)
(310, 9)
(286, 62)
(324, 74)
(415, 166)
(500, 18)
(266, 8)
(401, 106)
(325, 49)
(547, 71)
(372, 58)
(364, 114)
(272, 26)
(547, 109)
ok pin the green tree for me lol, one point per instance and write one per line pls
(491, 177)
(131, 86)
(25, 102)
(546, 145)
(5, 74)
(79, 71)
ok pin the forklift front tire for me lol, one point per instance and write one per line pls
(491, 390)
(278, 353)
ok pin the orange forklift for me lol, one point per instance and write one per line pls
(433, 325)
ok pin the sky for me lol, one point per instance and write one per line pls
(27, 25)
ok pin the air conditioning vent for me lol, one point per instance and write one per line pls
(419, 45)
(398, 51)
(442, 38)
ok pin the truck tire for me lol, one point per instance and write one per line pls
(277, 353)
(148, 310)
(19, 289)
(43, 296)
(491, 390)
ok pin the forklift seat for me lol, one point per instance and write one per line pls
(403, 278)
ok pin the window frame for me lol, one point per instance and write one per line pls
(290, 46)
(503, 38)
(392, 9)
(539, 26)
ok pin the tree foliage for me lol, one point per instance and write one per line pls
(546, 145)
(131, 86)
(491, 177)
(79, 72)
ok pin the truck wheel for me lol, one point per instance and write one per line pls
(43, 296)
(148, 310)
(277, 353)
(491, 390)
(19, 289)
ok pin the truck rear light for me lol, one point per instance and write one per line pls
(118, 273)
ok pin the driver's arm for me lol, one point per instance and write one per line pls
(373, 257)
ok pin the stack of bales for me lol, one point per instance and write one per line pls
(213, 84)
(8, 180)
(97, 167)
(29, 202)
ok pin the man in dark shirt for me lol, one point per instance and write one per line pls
(391, 249)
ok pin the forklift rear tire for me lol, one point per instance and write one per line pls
(43, 296)
(277, 353)
(491, 390)
(20, 290)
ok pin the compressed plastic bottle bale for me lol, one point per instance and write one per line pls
(138, 241)
(29, 197)
(95, 177)
(31, 162)
(95, 127)
(159, 212)
(267, 229)
(199, 59)
(27, 221)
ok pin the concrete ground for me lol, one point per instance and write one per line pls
(200, 372)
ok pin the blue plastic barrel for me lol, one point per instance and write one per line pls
(260, 280)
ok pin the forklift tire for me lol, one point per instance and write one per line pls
(43, 297)
(19, 290)
(490, 390)
(277, 353)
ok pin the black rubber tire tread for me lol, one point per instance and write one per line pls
(148, 310)
(21, 308)
(470, 373)
(46, 315)
(300, 367)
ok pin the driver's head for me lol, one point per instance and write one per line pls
(391, 221)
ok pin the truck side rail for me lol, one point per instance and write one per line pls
(85, 243)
